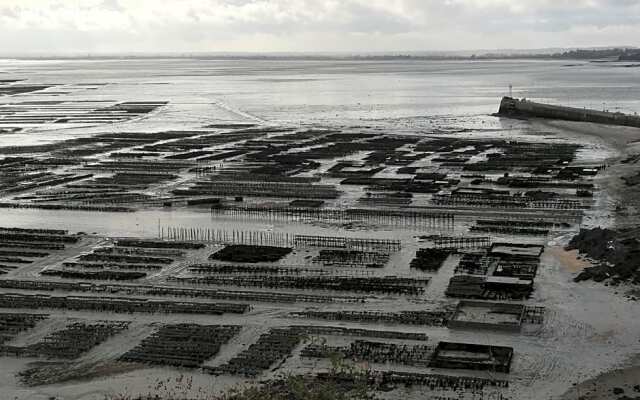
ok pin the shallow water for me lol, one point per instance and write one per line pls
(406, 94)
(148, 223)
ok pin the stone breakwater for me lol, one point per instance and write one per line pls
(523, 108)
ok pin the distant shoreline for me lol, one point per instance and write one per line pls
(306, 58)
(612, 54)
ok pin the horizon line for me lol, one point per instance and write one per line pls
(358, 53)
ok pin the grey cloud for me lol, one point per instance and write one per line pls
(358, 25)
(10, 12)
(370, 20)
(112, 5)
(621, 3)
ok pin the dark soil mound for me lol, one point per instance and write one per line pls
(619, 251)
(597, 243)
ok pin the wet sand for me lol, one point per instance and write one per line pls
(624, 200)
(626, 141)
(569, 259)
(615, 384)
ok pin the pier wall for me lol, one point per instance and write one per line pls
(511, 107)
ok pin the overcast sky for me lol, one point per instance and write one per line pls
(107, 26)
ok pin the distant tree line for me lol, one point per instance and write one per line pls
(630, 55)
(622, 54)
(615, 53)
